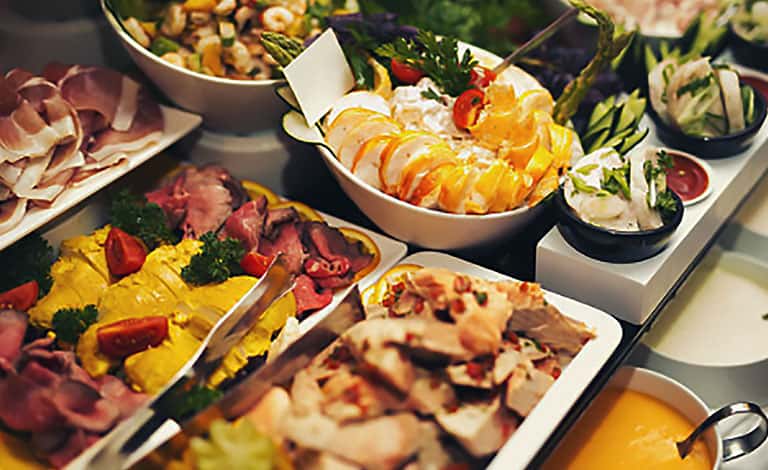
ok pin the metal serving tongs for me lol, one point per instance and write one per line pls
(117, 446)
(245, 395)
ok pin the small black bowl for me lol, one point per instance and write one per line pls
(749, 53)
(712, 147)
(611, 245)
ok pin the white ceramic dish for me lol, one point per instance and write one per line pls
(546, 416)
(91, 217)
(427, 228)
(177, 125)
(234, 106)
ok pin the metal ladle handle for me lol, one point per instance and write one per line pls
(733, 447)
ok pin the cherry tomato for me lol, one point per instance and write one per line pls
(125, 254)
(126, 337)
(481, 76)
(467, 108)
(20, 298)
(255, 264)
(405, 73)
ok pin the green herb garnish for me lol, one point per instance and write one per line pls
(437, 58)
(695, 85)
(481, 297)
(70, 323)
(144, 220)
(587, 169)
(431, 94)
(29, 259)
(616, 181)
(666, 204)
(217, 261)
(581, 186)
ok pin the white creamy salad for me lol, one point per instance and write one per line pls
(621, 193)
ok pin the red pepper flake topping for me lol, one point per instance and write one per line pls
(398, 288)
(462, 284)
(419, 306)
(457, 305)
(524, 287)
(388, 301)
(556, 372)
(410, 337)
(475, 371)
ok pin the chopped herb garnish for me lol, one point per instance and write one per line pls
(217, 261)
(481, 297)
(581, 186)
(666, 204)
(188, 403)
(431, 94)
(70, 323)
(29, 259)
(695, 85)
(587, 169)
(144, 220)
(616, 181)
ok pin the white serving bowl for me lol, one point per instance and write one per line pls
(234, 106)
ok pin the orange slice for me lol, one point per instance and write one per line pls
(255, 190)
(306, 213)
(536, 100)
(539, 164)
(376, 292)
(454, 187)
(369, 247)
(508, 192)
(548, 184)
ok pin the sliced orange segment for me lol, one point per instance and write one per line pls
(518, 151)
(306, 213)
(376, 292)
(509, 189)
(501, 96)
(548, 184)
(454, 187)
(369, 247)
(255, 190)
(539, 163)
(536, 100)
(562, 144)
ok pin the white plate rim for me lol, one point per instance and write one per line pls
(533, 433)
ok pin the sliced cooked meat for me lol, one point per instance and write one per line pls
(269, 413)
(306, 394)
(308, 299)
(173, 199)
(84, 408)
(385, 442)
(548, 326)
(336, 282)
(247, 223)
(277, 217)
(209, 203)
(505, 364)
(430, 393)
(331, 245)
(390, 364)
(472, 374)
(481, 428)
(351, 397)
(76, 443)
(13, 327)
(287, 242)
(525, 388)
(314, 460)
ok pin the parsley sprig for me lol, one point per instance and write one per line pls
(437, 58)
(144, 220)
(217, 261)
(70, 323)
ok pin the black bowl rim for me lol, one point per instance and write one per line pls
(759, 45)
(746, 132)
(668, 227)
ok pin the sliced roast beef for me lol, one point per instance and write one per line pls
(247, 223)
(277, 217)
(308, 299)
(78, 441)
(331, 245)
(118, 393)
(13, 327)
(172, 198)
(288, 243)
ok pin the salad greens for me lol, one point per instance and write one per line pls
(70, 323)
(217, 261)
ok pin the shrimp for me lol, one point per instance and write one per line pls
(277, 19)
(243, 15)
(225, 7)
(199, 18)
(239, 57)
(136, 31)
(175, 21)
(173, 58)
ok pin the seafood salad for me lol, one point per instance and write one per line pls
(657, 17)
(700, 98)
(440, 374)
(221, 38)
(459, 139)
(622, 193)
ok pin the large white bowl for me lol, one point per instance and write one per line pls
(235, 106)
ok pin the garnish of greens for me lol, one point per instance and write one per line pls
(609, 46)
(187, 403)
(29, 259)
(70, 323)
(217, 261)
(615, 123)
(236, 445)
(665, 202)
(147, 221)
(436, 58)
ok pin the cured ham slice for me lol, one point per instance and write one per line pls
(147, 127)
(93, 89)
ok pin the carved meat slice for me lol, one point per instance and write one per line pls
(481, 428)
(525, 388)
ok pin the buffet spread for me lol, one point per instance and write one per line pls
(443, 145)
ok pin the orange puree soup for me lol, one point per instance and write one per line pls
(628, 430)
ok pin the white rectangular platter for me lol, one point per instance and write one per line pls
(177, 125)
(391, 252)
(633, 291)
(534, 431)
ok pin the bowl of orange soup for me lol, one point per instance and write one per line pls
(634, 424)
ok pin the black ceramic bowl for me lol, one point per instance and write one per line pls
(711, 147)
(752, 54)
(612, 245)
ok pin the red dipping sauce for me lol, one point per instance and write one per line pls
(756, 83)
(687, 177)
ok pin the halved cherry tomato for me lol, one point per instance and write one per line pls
(467, 108)
(481, 76)
(126, 337)
(20, 298)
(405, 73)
(255, 264)
(125, 254)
